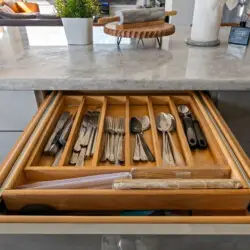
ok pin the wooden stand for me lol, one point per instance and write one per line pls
(141, 32)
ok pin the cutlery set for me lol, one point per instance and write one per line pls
(59, 137)
(195, 137)
(113, 139)
(84, 147)
(113, 150)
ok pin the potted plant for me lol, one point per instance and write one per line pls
(77, 18)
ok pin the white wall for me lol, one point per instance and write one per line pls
(184, 8)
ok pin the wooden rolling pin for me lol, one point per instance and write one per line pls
(141, 15)
(175, 184)
(105, 20)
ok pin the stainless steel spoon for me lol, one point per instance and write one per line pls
(136, 127)
(164, 124)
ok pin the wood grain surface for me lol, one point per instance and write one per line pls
(140, 32)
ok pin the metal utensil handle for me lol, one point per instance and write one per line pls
(86, 137)
(112, 149)
(90, 143)
(104, 148)
(201, 139)
(190, 134)
(164, 157)
(77, 147)
(120, 155)
(80, 161)
(116, 147)
(94, 142)
(179, 160)
(143, 156)
(65, 133)
(146, 149)
(136, 156)
(169, 153)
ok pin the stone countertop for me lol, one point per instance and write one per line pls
(38, 58)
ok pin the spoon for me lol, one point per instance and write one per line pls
(179, 160)
(164, 124)
(136, 127)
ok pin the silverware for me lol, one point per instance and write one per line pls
(74, 157)
(186, 114)
(56, 134)
(77, 147)
(66, 130)
(81, 157)
(87, 135)
(95, 119)
(121, 133)
(112, 131)
(137, 127)
(57, 158)
(105, 150)
(164, 124)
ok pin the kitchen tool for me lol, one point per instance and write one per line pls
(95, 119)
(77, 147)
(105, 152)
(137, 127)
(74, 157)
(176, 184)
(66, 130)
(57, 158)
(112, 131)
(87, 135)
(164, 124)
(79, 182)
(200, 137)
(136, 155)
(95, 133)
(188, 125)
(121, 133)
(56, 134)
(81, 157)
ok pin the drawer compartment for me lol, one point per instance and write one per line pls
(215, 162)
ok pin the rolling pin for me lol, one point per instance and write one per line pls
(105, 20)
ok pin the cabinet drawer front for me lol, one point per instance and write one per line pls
(223, 159)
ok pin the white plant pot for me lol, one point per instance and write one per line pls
(79, 31)
(206, 22)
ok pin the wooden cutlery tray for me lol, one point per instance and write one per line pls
(215, 162)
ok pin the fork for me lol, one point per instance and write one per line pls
(112, 131)
(105, 152)
(120, 147)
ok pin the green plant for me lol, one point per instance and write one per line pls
(77, 8)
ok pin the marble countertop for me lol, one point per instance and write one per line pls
(38, 58)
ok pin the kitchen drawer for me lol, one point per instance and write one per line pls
(223, 159)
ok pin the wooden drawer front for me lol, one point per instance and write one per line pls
(216, 162)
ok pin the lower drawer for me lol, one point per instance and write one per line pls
(223, 159)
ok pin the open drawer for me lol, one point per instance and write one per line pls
(223, 159)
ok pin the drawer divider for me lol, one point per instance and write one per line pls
(156, 144)
(98, 149)
(205, 125)
(73, 134)
(181, 134)
(127, 151)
